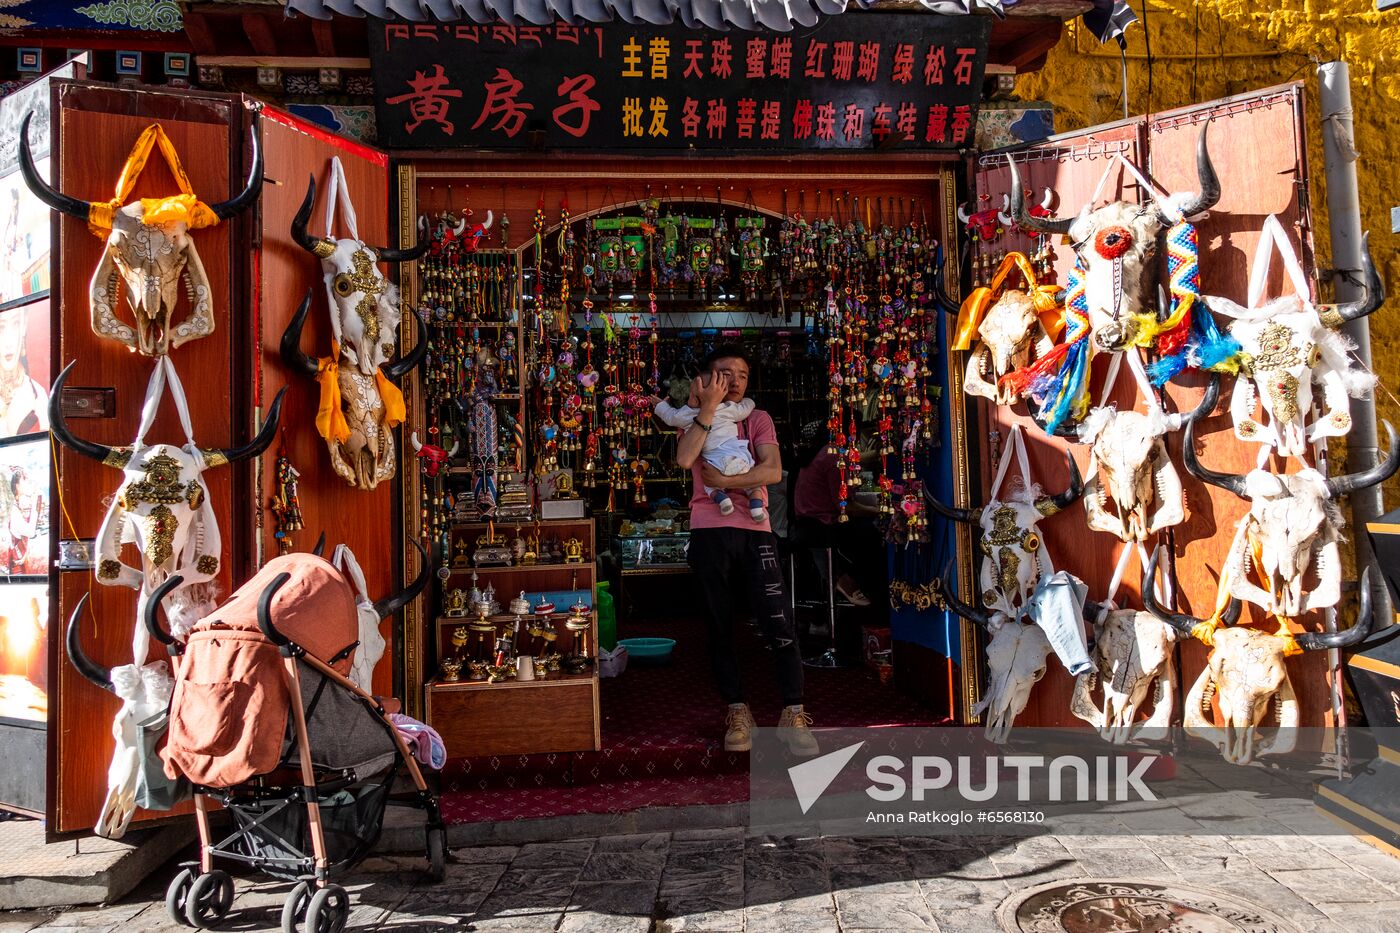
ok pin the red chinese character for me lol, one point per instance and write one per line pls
(816, 55)
(716, 116)
(880, 122)
(755, 58)
(907, 120)
(501, 94)
(826, 121)
(937, 131)
(868, 68)
(843, 56)
(772, 119)
(854, 125)
(579, 103)
(933, 65)
(902, 72)
(427, 100)
(744, 111)
(690, 118)
(962, 122)
(721, 56)
(802, 119)
(962, 71)
(693, 68)
(780, 61)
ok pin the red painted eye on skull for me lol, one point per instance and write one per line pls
(1112, 242)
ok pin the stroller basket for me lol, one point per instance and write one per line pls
(272, 832)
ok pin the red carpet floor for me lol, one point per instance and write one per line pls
(662, 737)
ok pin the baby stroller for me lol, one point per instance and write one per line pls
(264, 721)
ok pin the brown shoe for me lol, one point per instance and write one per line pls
(738, 728)
(795, 728)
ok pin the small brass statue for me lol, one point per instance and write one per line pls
(573, 551)
(451, 670)
(454, 603)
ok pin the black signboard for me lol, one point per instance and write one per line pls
(909, 81)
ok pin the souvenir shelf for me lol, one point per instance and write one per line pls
(558, 710)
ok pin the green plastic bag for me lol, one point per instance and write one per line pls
(607, 618)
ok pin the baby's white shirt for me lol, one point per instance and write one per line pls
(722, 440)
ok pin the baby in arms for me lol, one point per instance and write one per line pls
(723, 450)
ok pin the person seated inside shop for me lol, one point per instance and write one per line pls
(857, 543)
(731, 450)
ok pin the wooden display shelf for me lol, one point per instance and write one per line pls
(506, 617)
(521, 568)
(512, 718)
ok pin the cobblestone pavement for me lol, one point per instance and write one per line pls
(721, 881)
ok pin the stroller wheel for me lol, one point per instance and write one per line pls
(328, 910)
(209, 899)
(295, 907)
(177, 894)
(437, 853)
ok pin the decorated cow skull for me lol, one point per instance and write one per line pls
(1130, 472)
(1016, 661)
(162, 503)
(1246, 674)
(149, 250)
(1293, 525)
(1132, 656)
(1010, 541)
(985, 226)
(361, 442)
(1008, 331)
(1287, 348)
(432, 457)
(1117, 246)
(364, 304)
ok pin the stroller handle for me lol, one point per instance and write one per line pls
(265, 611)
(153, 605)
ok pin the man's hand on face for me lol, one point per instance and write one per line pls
(711, 389)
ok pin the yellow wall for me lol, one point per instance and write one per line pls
(1206, 50)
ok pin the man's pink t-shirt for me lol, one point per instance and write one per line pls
(758, 430)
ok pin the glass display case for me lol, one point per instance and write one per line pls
(639, 552)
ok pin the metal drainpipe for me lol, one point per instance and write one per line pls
(1344, 215)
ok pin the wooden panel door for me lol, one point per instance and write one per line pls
(94, 128)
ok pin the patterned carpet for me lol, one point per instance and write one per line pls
(662, 732)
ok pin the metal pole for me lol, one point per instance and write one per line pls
(1344, 217)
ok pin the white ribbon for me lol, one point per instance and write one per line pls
(372, 644)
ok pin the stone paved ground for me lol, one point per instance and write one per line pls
(718, 880)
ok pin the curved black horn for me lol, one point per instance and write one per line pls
(320, 549)
(1231, 481)
(949, 512)
(1208, 400)
(59, 427)
(392, 604)
(406, 254)
(85, 665)
(409, 361)
(244, 199)
(1049, 505)
(940, 293)
(1375, 290)
(51, 196)
(1024, 220)
(265, 436)
(152, 611)
(311, 244)
(1317, 641)
(972, 613)
(1205, 172)
(269, 630)
(292, 357)
(1341, 485)
(1180, 621)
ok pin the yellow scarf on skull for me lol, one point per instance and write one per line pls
(179, 208)
(330, 416)
(980, 301)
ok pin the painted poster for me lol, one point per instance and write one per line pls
(24, 511)
(24, 237)
(24, 609)
(24, 369)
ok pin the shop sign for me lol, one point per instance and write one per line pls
(908, 81)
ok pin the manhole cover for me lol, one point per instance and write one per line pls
(1114, 904)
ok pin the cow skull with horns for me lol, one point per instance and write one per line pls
(150, 258)
(1129, 470)
(1288, 346)
(162, 503)
(1010, 541)
(1294, 524)
(1117, 245)
(1246, 673)
(1010, 329)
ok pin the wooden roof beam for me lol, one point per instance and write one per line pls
(259, 33)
